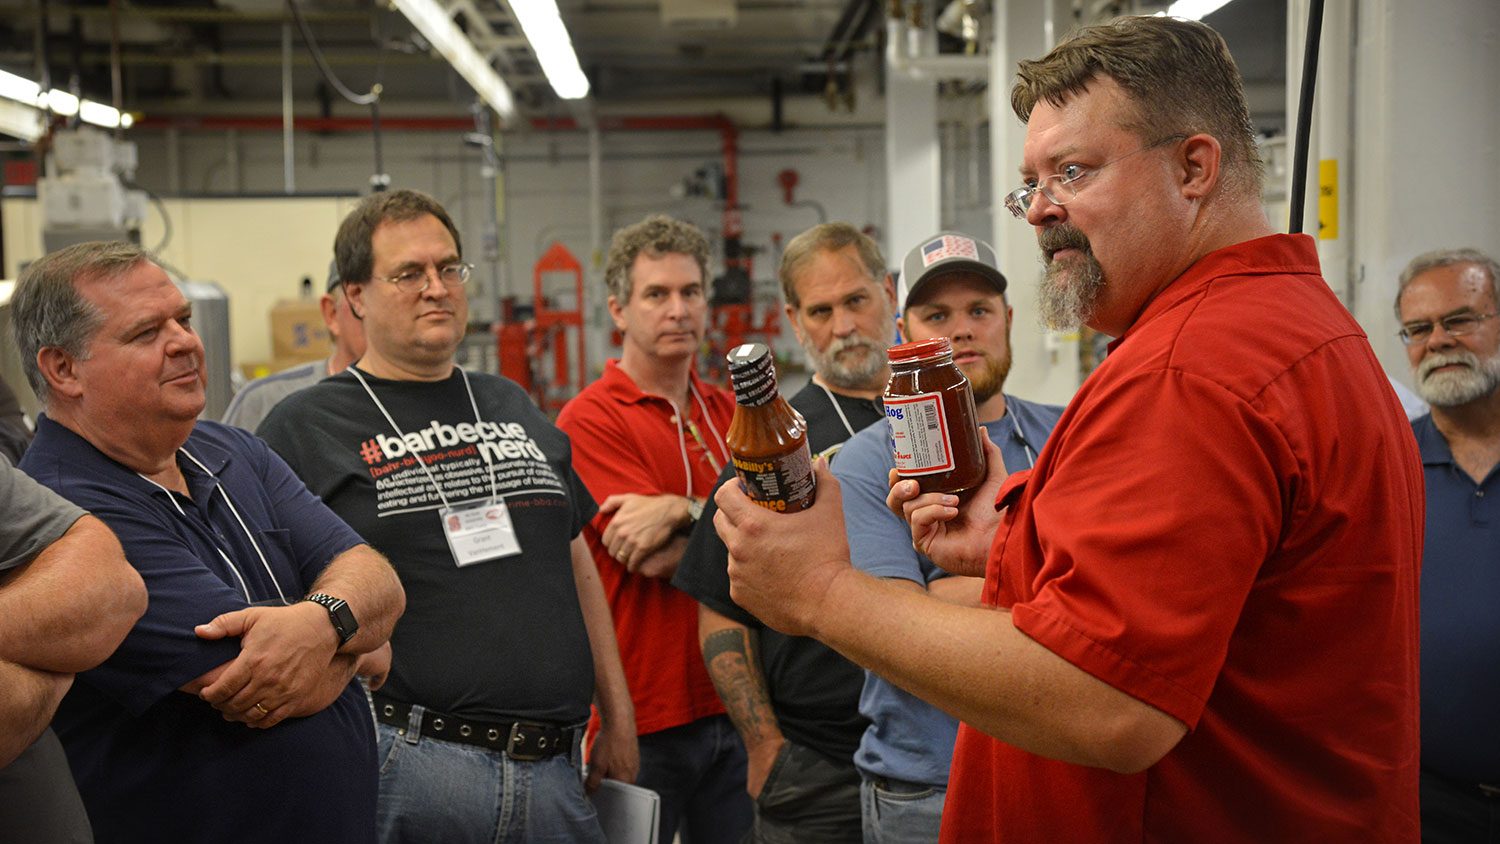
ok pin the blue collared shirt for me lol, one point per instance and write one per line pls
(1460, 621)
(157, 764)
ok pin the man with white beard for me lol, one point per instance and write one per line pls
(1447, 303)
(794, 701)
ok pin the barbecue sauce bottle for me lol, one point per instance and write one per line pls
(929, 406)
(767, 438)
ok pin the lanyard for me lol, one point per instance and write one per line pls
(219, 485)
(836, 409)
(687, 472)
(1021, 438)
(489, 469)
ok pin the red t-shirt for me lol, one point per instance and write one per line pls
(1226, 524)
(627, 441)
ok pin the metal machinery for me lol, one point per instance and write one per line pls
(524, 344)
(85, 195)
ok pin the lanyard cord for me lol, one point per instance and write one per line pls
(489, 469)
(709, 421)
(836, 409)
(1021, 438)
(219, 485)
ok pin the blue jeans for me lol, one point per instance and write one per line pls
(899, 812)
(699, 771)
(439, 791)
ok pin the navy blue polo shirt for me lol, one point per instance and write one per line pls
(156, 764)
(1460, 623)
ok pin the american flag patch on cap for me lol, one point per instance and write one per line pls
(948, 246)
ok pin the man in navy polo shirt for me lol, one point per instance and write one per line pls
(229, 713)
(1447, 305)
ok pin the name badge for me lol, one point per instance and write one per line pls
(478, 531)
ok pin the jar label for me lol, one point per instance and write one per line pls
(919, 434)
(783, 484)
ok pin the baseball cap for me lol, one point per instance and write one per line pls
(943, 253)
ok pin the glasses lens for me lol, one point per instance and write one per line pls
(411, 281)
(455, 274)
(1059, 190)
(1018, 201)
(1414, 333)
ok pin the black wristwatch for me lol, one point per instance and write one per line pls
(338, 613)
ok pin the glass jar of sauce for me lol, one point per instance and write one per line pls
(929, 407)
(767, 437)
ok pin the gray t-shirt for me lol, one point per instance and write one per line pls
(38, 800)
(254, 401)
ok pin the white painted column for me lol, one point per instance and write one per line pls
(1426, 149)
(1045, 365)
(912, 162)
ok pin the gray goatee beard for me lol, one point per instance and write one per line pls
(1451, 389)
(861, 369)
(1071, 287)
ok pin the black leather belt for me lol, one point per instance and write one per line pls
(522, 741)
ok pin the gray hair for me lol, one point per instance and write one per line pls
(1446, 258)
(654, 236)
(47, 309)
(827, 237)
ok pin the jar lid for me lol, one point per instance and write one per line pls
(919, 349)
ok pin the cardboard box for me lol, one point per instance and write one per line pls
(298, 332)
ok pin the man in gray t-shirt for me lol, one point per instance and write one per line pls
(67, 598)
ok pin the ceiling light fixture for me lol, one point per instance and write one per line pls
(544, 28)
(26, 92)
(1193, 10)
(444, 36)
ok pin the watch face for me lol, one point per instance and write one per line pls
(343, 619)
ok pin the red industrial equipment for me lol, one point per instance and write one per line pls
(524, 345)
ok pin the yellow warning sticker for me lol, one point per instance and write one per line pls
(1328, 199)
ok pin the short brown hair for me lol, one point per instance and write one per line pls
(1178, 75)
(353, 252)
(47, 310)
(827, 237)
(656, 235)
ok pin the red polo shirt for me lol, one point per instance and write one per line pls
(627, 441)
(1226, 524)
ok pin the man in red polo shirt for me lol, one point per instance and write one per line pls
(648, 441)
(1201, 618)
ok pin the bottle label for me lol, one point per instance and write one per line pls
(919, 434)
(783, 484)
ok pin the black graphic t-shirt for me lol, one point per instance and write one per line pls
(496, 640)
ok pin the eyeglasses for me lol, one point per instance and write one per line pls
(1456, 325)
(1061, 188)
(416, 280)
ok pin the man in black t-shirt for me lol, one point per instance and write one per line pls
(794, 701)
(470, 491)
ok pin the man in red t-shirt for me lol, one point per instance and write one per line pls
(1201, 618)
(648, 441)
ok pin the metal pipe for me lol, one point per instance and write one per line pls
(288, 155)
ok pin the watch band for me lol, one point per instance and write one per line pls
(339, 614)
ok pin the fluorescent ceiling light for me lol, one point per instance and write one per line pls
(20, 121)
(439, 30)
(549, 39)
(23, 90)
(1193, 10)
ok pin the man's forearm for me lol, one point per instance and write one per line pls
(1028, 696)
(69, 608)
(366, 582)
(663, 561)
(730, 654)
(27, 705)
(611, 693)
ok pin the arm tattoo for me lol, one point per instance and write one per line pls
(732, 665)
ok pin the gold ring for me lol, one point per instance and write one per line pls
(262, 710)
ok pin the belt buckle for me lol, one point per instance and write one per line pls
(518, 736)
(1490, 791)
